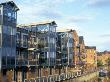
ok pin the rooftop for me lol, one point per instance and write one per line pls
(65, 30)
(11, 3)
(90, 47)
(38, 23)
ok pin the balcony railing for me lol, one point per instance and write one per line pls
(56, 77)
(32, 62)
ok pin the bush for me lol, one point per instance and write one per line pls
(99, 63)
(108, 61)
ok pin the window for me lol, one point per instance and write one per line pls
(9, 14)
(52, 40)
(42, 28)
(18, 36)
(70, 45)
(0, 29)
(4, 60)
(24, 40)
(13, 31)
(0, 12)
(13, 15)
(52, 29)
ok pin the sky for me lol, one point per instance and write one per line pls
(90, 18)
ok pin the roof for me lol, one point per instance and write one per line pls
(65, 30)
(90, 47)
(38, 23)
(11, 3)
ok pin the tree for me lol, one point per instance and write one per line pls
(108, 61)
(99, 63)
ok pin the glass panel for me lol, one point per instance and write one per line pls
(42, 28)
(24, 40)
(9, 14)
(13, 61)
(0, 12)
(4, 60)
(0, 29)
(13, 31)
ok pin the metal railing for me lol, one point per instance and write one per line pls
(56, 78)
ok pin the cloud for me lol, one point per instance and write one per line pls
(51, 14)
(65, 25)
(80, 18)
(39, 10)
(102, 42)
(105, 45)
(99, 2)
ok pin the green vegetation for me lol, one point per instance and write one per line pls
(108, 61)
(99, 63)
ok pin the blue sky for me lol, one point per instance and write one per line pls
(89, 17)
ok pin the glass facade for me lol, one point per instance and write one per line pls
(32, 46)
(36, 45)
(8, 18)
(64, 48)
(70, 48)
(21, 46)
(42, 39)
(1, 12)
(8, 43)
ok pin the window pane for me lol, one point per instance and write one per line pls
(0, 28)
(0, 12)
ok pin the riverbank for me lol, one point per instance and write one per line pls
(91, 77)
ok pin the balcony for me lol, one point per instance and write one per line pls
(24, 44)
(21, 62)
(32, 45)
(18, 43)
(56, 77)
(32, 62)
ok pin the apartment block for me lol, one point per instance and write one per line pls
(75, 48)
(8, 20)
(36, 49)
(64, 56)
(91, 56)
(82, 52)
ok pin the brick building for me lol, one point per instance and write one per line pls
(91, 54)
